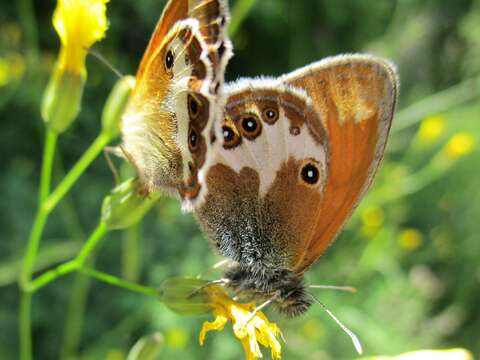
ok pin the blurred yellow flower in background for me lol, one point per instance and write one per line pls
(12, 67)
(431, 129)
(249, 330)
(79, 24)
(459, 145)
(410, 239)
(372, 220)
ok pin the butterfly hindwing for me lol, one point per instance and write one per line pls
(292, 158)
(355, 96)
(256, 206)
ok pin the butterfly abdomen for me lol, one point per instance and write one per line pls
(285, 288)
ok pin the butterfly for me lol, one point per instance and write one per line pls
(176, 95)
(291, 158)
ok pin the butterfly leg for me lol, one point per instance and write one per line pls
(263, 306)
(210, 283)
(117, 151)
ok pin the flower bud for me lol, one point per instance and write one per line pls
(184, 296)
(115, 105)
(147, 348)
(62, 98)
(126, 205)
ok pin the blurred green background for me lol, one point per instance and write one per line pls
(412, 248)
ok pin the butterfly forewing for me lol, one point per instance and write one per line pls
(175, 97)
(355, 97)
(212, 16)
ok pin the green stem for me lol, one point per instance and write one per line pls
(131, 255)
(32, 248)
(51, 275)
(75, 316)
(46, 258)
(72, 333)
(72, 265)
(439, 102)
(414, 183)
(25, 326)
(92, 242)
(42, 215)
(115, 281)
(48, 157)
(69, 180)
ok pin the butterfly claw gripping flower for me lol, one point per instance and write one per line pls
(249, 330)
(79, 24)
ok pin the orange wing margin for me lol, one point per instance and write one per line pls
(174, 10)
(210, 14)
(355, 97)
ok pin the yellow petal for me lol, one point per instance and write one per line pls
(249, 355)
(218, 324)
(249, 330)
(79, 24)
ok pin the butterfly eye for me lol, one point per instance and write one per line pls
(230, 137)
(193, 107)
(310, 173)
(169, 60)
(270, 115)
(192, 140)
(251, 126)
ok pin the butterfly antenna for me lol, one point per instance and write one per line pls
(112, 150)
(349, 289)
(105, 62)
(356, 343)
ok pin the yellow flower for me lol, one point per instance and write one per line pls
(12, 68)
(459, 145)
(249, 330)
(410, 239)
(372, 219)
(79, 24)
(431, 128)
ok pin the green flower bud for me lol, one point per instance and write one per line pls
(147, 348)
(62, 98)
(125, 205)
(115, 105)
(184, 296)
